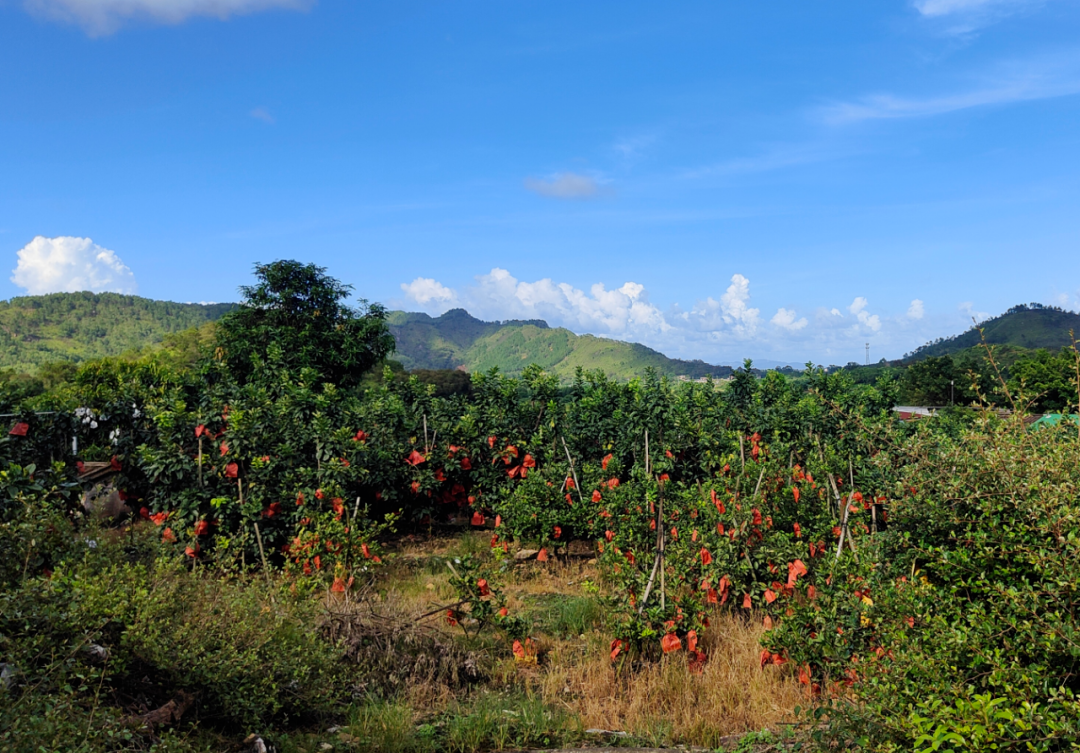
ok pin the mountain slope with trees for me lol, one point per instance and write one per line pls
(1031, 326)
(40, 329)
(1032, 349)
(458, 340)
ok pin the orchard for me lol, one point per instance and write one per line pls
(915, 581)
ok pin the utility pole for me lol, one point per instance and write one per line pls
(952, 392)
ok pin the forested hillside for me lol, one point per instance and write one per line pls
(35, 330)
(1029, 326)
(1031, 346)
(457, 339)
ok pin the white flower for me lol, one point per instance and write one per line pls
(93, 424)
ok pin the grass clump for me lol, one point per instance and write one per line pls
(482, 722)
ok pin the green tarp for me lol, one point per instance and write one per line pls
(1053, 419)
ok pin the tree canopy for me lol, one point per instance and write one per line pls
(299, 311)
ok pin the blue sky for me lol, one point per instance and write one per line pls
(784, 181)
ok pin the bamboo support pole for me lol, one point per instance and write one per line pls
(573, 472)
(266, 567)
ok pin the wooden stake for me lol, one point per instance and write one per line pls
(663, 539)
(843, 529)
(757, 488)
(851, 495)
(648, 468)
(262, 554)
(836, 493)
(649, 585)
(1076, 357)
(658, 561)
(572, 472)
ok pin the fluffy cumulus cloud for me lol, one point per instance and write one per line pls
(720, 329)
(870, 321)
(564, 186)
(788, 320)
(106, 16)
(730, 318)
(68, 265)
(426, 291)
(622, 312)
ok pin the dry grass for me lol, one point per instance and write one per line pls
(660, 703)
(732, 695)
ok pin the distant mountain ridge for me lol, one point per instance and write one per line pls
(459, 340)
(38, 329)
(1029, 326)
(35, 330)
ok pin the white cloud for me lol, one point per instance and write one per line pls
(1013, 82)
(963, 17)
(261, 113)
(99, 17)
(622, 312)
(786, 319)
(564, 186)
(735, 305)
(425, 291)
(729, 319)
(858, 308)
(969, 310)
(933, 8)
(69, 265)
(915, 310)
(723, 328)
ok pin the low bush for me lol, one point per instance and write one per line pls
(122, 626)
(957, 629)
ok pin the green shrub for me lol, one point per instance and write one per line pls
(249, 657)
(960, 623)
(128, 619)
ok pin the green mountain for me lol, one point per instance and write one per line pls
(72, 327)
(1015, 335)
(1027, 326)
(35, 330)
(458, 340)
